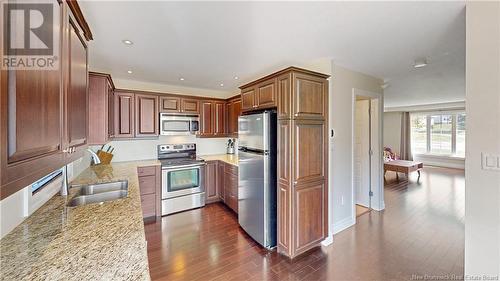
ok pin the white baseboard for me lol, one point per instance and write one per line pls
(377, 208)
(343, 224)
(328, 241)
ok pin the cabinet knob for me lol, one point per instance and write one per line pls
(65, 150)
(295, 182)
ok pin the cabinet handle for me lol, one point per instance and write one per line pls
(295, 182)
(65, 150)
(254, 106)
(296, 114)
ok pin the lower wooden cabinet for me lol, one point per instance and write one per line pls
(211, 187)
(221, 183)
(149, 185)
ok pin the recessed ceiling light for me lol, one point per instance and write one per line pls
(182, 79)
(419, 63)
(222, 84)
(236, 77)
(127, 42)
(129, 71)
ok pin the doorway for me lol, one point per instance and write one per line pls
(367, 185)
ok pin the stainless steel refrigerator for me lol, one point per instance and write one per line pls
(257, 176)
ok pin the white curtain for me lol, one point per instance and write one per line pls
(405, 152)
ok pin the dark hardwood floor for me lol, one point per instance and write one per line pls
(421, 232)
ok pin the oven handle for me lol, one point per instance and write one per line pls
(176, 168)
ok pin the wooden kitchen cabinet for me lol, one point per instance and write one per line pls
(146, 115)
(190, 106)
(211, 182)
(170, 104)
(220, 180)
(43, 113)
(231, 186)
(259, 96)
(233, 112)
(124, 114)
(301, 99)
(212, 119)
(75, 89)
(150, 187)
(206, 119)
(100, 103)
(179, 104)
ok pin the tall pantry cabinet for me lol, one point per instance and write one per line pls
(302, 172)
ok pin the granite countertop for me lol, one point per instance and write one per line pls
(90, 242)
(228, 158)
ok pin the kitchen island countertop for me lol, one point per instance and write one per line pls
(102, 241)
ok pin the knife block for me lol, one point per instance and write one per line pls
(104, 156)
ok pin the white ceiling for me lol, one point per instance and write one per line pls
(209, 43)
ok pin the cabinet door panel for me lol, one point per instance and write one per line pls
(111, 111)
(211, 193)
(190, 106)
(266, 94)
(284, 96)
(170, 104)
(310, 97)
(124, 115)
(206, 118)
(98, 130)
(310, 215)
(146, 115)
(309, 145)
(220, 119)
(248, 98)
(284, 217)
(77, 89)
(220, 180)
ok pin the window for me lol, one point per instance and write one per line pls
(438, 134)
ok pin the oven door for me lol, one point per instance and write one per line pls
(181, 181)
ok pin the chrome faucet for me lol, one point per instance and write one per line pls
(95, 158)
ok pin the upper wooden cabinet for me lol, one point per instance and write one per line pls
(43, 113)
(212, 119)
(100, 108)
(124, 115)
(146, 115)
(190, 106)
(233, 108)
(173, 104)
(248, 98)
(170, 104)
(136, 115)
(309, 96)
(259, 96)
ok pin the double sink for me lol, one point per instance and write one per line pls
(98, 193)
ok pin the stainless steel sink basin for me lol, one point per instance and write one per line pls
(97, 197)
(103, 187)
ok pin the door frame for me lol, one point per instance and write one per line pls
(377, 200)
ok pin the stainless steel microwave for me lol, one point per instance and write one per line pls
(175, 124)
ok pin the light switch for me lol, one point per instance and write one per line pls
(490, 161)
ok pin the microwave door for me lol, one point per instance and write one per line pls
(175, 127)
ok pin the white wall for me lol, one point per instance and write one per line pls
(342, 84)
(129, 150)
(482, 187)
(392, 131)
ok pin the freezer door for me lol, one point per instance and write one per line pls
(251, 195)
(251, 131)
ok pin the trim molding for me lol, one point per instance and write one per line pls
(328, 241)
(80, 19)
(343, 224)
(427, 107)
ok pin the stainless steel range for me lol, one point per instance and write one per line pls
(182, 182)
